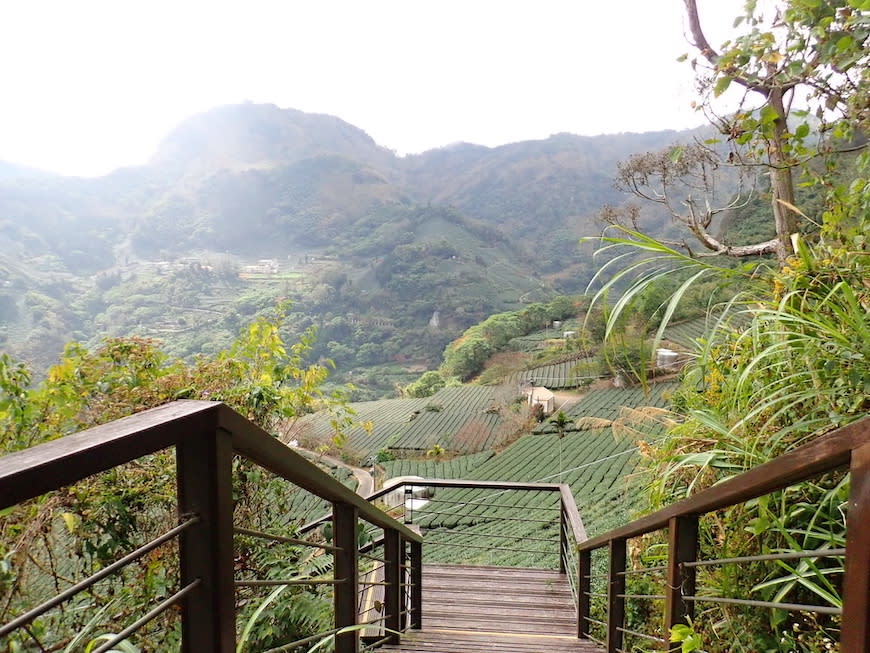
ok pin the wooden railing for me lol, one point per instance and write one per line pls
(845, 448)
(563, 516)
(206, 436)
(562, 519)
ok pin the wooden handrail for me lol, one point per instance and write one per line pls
(573, 515)
(566, 497)
(51, 465)
(830, 452)
(55, 464)
(268, 452)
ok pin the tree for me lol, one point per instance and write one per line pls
(787, 358)
(426, 386)
(561, 421)
(683, 179)
(802, 70)
(805, 51)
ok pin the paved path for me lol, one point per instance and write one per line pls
(365, 483)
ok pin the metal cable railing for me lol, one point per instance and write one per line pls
(605, 594)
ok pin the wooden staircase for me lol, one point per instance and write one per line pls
(468, 609)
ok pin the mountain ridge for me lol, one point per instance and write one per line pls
(460, 231)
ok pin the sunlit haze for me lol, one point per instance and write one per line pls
(89, 86)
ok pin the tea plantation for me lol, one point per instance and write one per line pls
(521, 528)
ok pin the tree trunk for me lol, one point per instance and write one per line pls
(781, 183)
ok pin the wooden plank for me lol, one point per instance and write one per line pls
(483, 641)
(855, 635)
(508, 600)
(825, 454)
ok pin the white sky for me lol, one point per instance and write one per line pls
(90, 85)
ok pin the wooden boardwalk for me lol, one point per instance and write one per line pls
(495, 609)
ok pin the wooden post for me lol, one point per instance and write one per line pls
(855, 635)
(680, 580)
(203, 462)
(615, 603)
(346, 568)
(563, 540)
(404, 584)
(584, 586)
(416, 610)
(392, 589)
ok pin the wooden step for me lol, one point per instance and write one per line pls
(512, 601)
(435, 641)
(468, 609)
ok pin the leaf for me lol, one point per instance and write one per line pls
(768, 115)
(844, 43)
(676, 153)
(679, 632)
(802, 130)
(72, 521)
(721, 86)
(682, 57)
(249, 625)
(79, 637)
(122, 647)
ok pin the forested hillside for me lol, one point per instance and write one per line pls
(391, 258)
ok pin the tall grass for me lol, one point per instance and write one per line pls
(785, 360)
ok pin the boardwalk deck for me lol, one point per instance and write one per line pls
(476, 609)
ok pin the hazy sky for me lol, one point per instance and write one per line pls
(88, 86)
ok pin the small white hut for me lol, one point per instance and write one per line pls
(541, 396)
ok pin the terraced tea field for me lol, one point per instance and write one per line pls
(686, 333)
(559, 376)
(459, 467)
(537, 341)
(520, 528)
(610, 404)
(464, 419)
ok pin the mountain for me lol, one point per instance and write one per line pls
(10, 170)
(391, 257)
(243, 136)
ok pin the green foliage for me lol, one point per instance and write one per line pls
(786, 359)
(465, 356)
(86, 526)
(426, 386)
(686, 636)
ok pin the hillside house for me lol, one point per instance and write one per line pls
(541, 396)
(263, 266)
